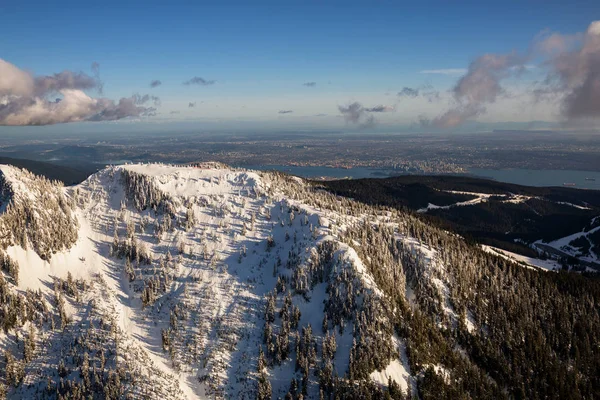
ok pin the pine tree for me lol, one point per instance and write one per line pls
(270, 242)
(262, 363)
(29, 344)
(263, 391)
(115, 244)
(129, 270)
(85, 370)
(14, 371)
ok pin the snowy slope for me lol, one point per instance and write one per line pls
(565, 244)
(484, 197)
(479, 198)
(549, 264)
(212, 245)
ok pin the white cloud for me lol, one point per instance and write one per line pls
(29, 100)
(446, 71)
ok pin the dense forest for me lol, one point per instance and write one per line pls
(532, 326)
(510, 216)
(41, 217)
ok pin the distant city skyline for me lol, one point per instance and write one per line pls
(298, 65)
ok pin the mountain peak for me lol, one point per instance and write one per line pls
(230, 283)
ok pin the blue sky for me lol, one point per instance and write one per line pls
(260, 53)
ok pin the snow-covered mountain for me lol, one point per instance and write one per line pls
(203, 281)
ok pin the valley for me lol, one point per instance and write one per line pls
(553, 223)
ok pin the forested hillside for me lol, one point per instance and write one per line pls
(508, 216)
(203, 281)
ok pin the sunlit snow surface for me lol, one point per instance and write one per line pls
(223, 291)
(222, 278)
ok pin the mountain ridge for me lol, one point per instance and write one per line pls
(531, 221)
(246, 284)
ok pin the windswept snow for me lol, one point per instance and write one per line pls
(517, 198)
(211, 179)
(560, 243)
(573, 205)
(479, 198)
(483, 197)
(548, 265)
(564, 246)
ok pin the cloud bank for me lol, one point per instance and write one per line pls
(570, 65)
(60, 98)
(575, 72)
(478, 87)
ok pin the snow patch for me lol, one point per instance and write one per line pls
(529, 262)
(397, 370)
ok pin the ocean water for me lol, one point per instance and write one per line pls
(528, 177)
(318, 172)
(536, 177)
